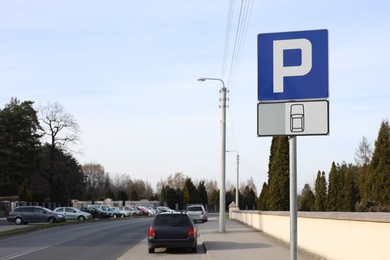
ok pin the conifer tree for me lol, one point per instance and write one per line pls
(320, 192)
(333, 191)
(202, 193)
(19, 145)
(379, 176)
(350, 190)
(279, 175)
(306, 201)
(262, 203)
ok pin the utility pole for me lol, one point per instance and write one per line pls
(222, 192)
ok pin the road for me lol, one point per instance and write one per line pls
(94, 240)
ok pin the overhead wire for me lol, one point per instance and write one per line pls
(240, 35)
(227, 37)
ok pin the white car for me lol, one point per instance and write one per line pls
(197, 213)
(165, 209)
(126, 213)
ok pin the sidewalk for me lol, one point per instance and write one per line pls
(240, 241)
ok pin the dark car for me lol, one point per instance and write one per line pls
(26, 214)
(97, 213)
(172, 230)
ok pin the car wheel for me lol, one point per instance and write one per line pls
(18, 221)
(151, 250)
(52, 220)
(134, 214)
(81, 218)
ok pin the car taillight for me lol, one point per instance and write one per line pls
(151, 232)
(191, 232)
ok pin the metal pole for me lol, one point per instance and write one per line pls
(222, 192)
(223, 162)
(238, 182)
(293, 197)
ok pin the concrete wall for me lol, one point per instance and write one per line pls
(331, 235)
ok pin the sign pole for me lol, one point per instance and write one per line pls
(293, 197)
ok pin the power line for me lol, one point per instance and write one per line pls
(241, 30)
(227, 37)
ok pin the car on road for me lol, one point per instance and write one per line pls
(73, 213)
(197, 213)
(33, 214)
(172, 230)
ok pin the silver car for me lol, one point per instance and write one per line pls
(73, 213)
(197, 213)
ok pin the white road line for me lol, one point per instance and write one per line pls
(32, 250)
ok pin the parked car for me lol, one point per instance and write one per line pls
(164, 209)
(106, 208)
(144, 211)
(125, 213)
(172, 230)
(133, 211)
(73, 213)
(197, 213)
(97, 213)
(26, 214)
(152, 211)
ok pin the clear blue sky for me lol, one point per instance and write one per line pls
(127, 71)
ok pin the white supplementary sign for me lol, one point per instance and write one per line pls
(293, 118)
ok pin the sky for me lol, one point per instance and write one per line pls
(127, 71)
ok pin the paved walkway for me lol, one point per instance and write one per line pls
(238, 242)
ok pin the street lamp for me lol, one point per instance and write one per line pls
(238, 180)
(223, 155)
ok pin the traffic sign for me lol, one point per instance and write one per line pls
(293, 66)
(293, 118)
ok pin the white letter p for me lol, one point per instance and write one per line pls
(280, 71)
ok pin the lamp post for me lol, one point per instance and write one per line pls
(238, 179)
(223, 155)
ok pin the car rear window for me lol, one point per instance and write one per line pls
(172, 220)
(195, 209)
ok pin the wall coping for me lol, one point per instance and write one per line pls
(381, 217)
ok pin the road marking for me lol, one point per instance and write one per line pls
(33, 250)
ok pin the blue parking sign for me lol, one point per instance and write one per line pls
(293, 66)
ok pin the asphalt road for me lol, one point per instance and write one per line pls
(93, 240)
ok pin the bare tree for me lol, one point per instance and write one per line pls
(176, 181)
(59, 126)
(95, 179)
(363, 153)
(249, 183)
